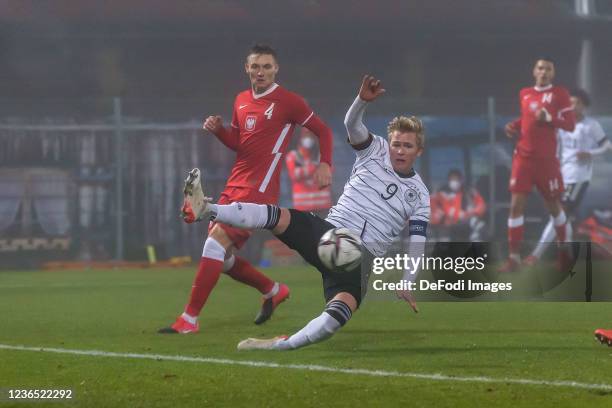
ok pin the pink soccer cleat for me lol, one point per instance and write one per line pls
(604, 336)
(180, 326)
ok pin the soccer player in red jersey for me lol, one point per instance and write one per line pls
(263, 121)
(544, 109)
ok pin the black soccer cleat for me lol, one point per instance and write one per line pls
(268, 305)
(167, 330)
(180, 326)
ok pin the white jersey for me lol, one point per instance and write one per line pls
(377, 203)
(587, 135)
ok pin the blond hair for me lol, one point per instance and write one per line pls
(404, 124)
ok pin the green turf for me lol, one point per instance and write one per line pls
(120, 311)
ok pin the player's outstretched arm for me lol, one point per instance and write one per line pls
(371, 88)
(230, 138)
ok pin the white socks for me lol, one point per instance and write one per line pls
(189, 318)
(516, 222)
(318, 329)
(246, 215)
(335, 315)
(273, 291)
(560, 219)
(213, 250)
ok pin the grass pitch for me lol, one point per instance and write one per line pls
(120, 311)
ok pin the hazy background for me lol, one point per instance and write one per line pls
(101, 102)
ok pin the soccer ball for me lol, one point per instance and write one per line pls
(339, 250)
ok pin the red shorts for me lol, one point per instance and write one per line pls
(545, 174)
(240, 236)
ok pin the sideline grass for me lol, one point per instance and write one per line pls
(120, 310)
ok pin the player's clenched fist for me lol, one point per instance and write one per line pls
(371, 88)
(213, 124)
(322, 175)
(511, 130)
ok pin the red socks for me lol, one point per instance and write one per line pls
(560, 230)
(209, 270)
(244, 272)
(204, 282)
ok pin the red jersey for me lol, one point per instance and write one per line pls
(538, 139)
(265, 123)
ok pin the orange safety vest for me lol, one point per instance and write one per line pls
(449, 207)
(306, 193)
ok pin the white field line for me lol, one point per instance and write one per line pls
(309, 367)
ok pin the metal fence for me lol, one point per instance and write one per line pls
(108, 187)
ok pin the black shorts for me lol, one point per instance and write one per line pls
(303, 235)
(573, 195)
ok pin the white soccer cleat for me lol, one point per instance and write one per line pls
(261, 344)
(195, 203)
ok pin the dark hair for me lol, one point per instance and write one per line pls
(455, 172)
(582, 95)
(545, 58)
(263, 49)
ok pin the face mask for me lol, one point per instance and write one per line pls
(307, 142)
(454, 185)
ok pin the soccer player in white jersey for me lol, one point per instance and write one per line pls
(576, 151)
(382, 196)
